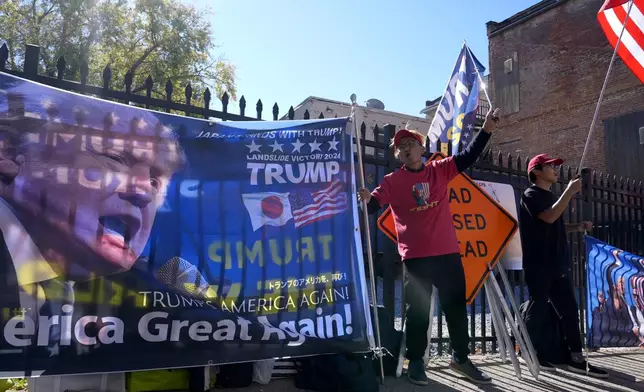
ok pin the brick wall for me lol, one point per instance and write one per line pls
(562, 58)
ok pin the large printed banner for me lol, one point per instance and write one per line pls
(615, 305)
(134, 240)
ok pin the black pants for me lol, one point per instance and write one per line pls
(557, 289)
(446, 274)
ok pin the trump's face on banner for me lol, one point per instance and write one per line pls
(88, 197)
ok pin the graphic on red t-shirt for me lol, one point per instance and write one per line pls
(420, 208)
(421, 193)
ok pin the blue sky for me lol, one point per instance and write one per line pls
(401, 52)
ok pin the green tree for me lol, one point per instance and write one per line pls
(15, 384)
(164, 39)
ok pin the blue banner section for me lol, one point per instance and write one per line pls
(615, 306)
(455, 117)
(133, 239)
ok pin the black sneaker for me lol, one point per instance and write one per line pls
(416, 372)
(471, 372)
(579, 367)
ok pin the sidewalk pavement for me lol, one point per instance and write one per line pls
(626, 368)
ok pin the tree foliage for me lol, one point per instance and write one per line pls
(16, 384)
(164, 39)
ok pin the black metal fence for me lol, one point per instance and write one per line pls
(615, 205)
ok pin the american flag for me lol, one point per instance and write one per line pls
(312, 207)
(611, 17)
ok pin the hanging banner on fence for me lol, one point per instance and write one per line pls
(483, 227)
(615, 305)
(135, 240)
(503, 194)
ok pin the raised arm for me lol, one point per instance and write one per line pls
(470, 154)
(550, 215)
(541, 207)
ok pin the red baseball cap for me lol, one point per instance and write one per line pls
(403, 133)
(543, 159)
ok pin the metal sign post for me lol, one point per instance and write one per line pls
(496, 322)
(521, 335)
(529, 349)
(501, 328)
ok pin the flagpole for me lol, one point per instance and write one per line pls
(586, 334)
(601, 94)
(590, 132)
(478, 74)
(365, 214)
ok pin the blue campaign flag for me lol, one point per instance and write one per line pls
(167, 241)
(615, 296)
(455, 118)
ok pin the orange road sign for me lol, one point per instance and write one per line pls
(483, 228)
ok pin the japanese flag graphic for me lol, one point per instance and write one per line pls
(268, 208)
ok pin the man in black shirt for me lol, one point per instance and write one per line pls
(546, 258)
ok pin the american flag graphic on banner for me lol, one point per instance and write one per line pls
(312, 207)
(611, 17)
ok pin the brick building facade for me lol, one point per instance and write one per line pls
(547, 68)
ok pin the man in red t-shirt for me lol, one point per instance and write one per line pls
(427, 243)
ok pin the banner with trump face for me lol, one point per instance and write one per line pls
(615, 305)
(133, 239)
